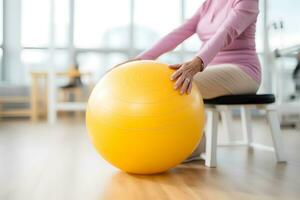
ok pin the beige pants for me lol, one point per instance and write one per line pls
(224, 79)
(219, 80)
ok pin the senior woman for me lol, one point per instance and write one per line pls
(226, 62)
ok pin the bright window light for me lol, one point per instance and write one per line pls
(35, 23)
(153, 19)
(96, 20)
(288, 13)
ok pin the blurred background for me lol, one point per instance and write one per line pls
(53, 51)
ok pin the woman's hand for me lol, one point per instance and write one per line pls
(185, 73)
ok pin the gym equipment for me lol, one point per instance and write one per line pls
(139, 123)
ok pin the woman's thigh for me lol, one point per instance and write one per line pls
(224, 79)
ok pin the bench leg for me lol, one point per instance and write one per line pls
(276, 135)
(211, 138)
(227, 122)
(246, 125)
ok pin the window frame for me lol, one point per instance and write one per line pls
(183, 52)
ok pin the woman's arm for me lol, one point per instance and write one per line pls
(174, 38)
(242, 15)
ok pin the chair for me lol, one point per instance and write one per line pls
(245, 102)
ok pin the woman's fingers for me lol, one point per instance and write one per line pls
(190, 88)
(179, 82)
(185, 85)
(183, 77)
(176, 74)
(176, 66)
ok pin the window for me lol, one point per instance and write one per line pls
(98, 64)
(153, 19)
(35, 38)
(284, 32)
(35, 23)
(102, 23)
(34, 56)
(1, 40)
(287, 14)
(61, 22)
(1, 22)
(102, 34)
(1, 64)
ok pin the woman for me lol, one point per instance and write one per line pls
(227, 62)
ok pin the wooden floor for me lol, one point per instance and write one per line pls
(57, 162)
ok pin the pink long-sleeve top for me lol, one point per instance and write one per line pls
(227, 30)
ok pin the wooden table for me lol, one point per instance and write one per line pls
(39, 95)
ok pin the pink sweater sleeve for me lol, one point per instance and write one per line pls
(174, 38)
(243, 13)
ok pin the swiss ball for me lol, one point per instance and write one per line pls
(139, 123)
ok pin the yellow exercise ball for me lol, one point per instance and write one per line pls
(139, 123)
